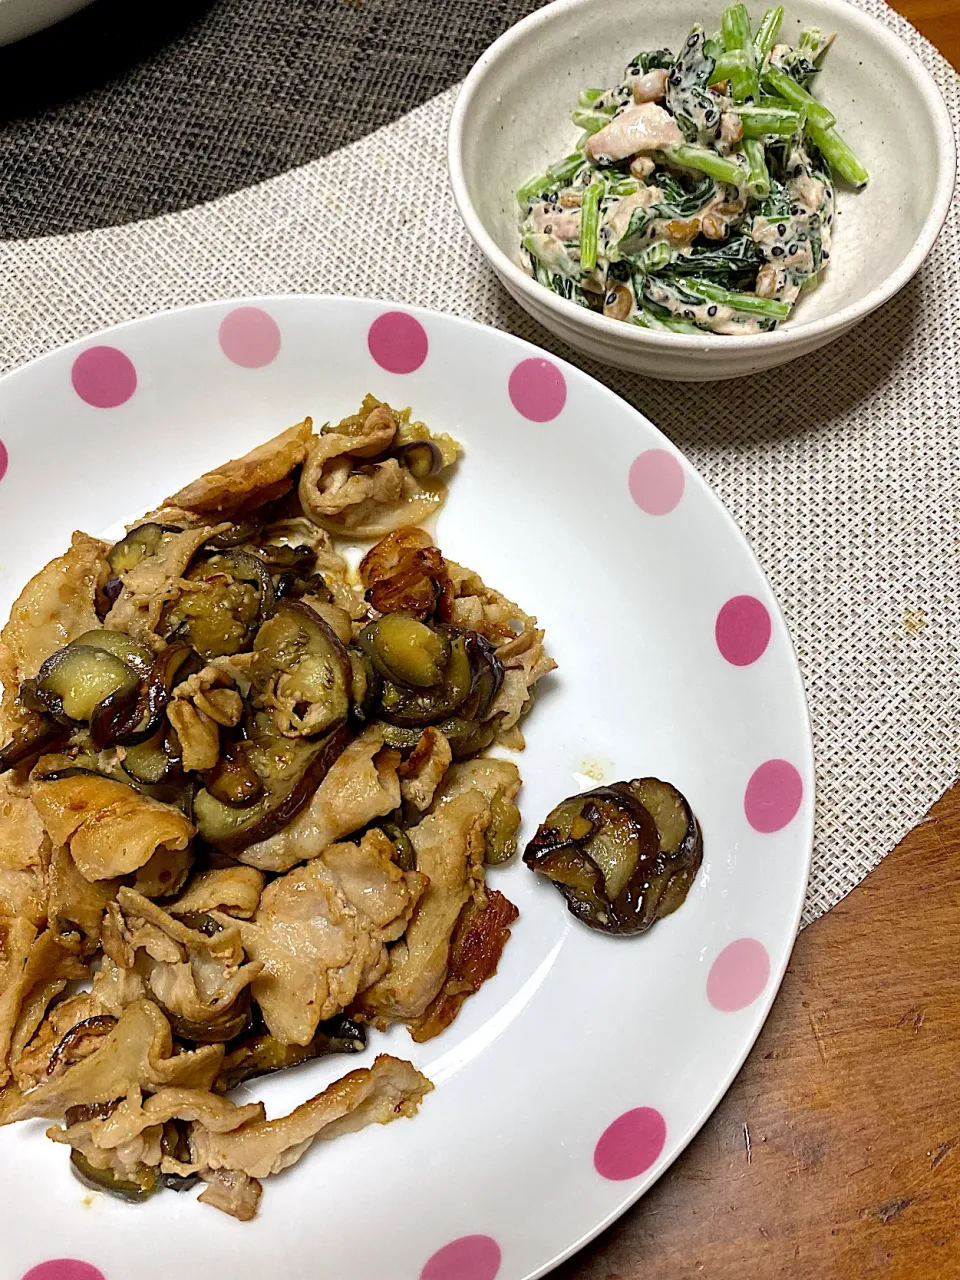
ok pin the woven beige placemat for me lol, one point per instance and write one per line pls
(848, 491)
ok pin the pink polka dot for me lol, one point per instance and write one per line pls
(537, 389)
(738, 975)
(743, 630)
(249, 337)
(656, 482)
(630, 1145)
(773, 796)
(103, 377)
(469, 1258)
(64, 1269)
(4, 459)
(398, 342)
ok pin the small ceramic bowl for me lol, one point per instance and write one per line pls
(19, 18)
(512, 118)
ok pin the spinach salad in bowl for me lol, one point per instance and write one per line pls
(701, 194)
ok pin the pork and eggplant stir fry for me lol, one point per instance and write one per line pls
(701, 194)
(245, 813)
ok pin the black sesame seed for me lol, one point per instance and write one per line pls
(794, 209)
(782, 229)
(798, 171)
(712, 311)
(548, 229)
(688, 315)
(826, 254)
(793, 250)
(611, 299)
(777, 250)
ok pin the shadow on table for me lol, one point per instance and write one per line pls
(795, 400)
(87, 51)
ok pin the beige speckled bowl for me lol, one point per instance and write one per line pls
(513, 117)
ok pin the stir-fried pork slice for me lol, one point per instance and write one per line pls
(75, 905)
(371, 1095)
(360, 786)
(153, 583)
(110, 828)
(321, 933)
(232, 1192)
(478, 941)
(29, 963)
(640, 128)
(423, 770)
(233, 890)
(243, 484)
(198, 977)
(126, 1139)
(450, 846)
(56, 606)
(136, 1053)
(24, 854)
(344, 491)
(518, 642)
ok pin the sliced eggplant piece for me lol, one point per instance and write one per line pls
(405, 650)
(500, 836)
(175, 1144)
(122, 646)
(233, 780)
(364, 686)
(488, 677)
(153, 761)
(467, 737)
(422, 458)
(251, 569)
(290, 770)
(128, 718)
(138, 1186)
(74, 681)
(262, 1054)
(401, 738)
(232, 1022)
(139, 543)
(237, 593)
(35, 736)
(405, 855)
(417, 709)
(302, 668)
(620, 866)
(101, 1024)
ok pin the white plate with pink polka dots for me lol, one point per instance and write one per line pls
(575, 1076)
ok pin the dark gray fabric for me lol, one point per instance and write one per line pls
(134, 108)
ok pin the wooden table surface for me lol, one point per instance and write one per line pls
(836, 1153)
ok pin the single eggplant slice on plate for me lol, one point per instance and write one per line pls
(623, 856)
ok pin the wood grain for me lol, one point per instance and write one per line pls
(836, 1153)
